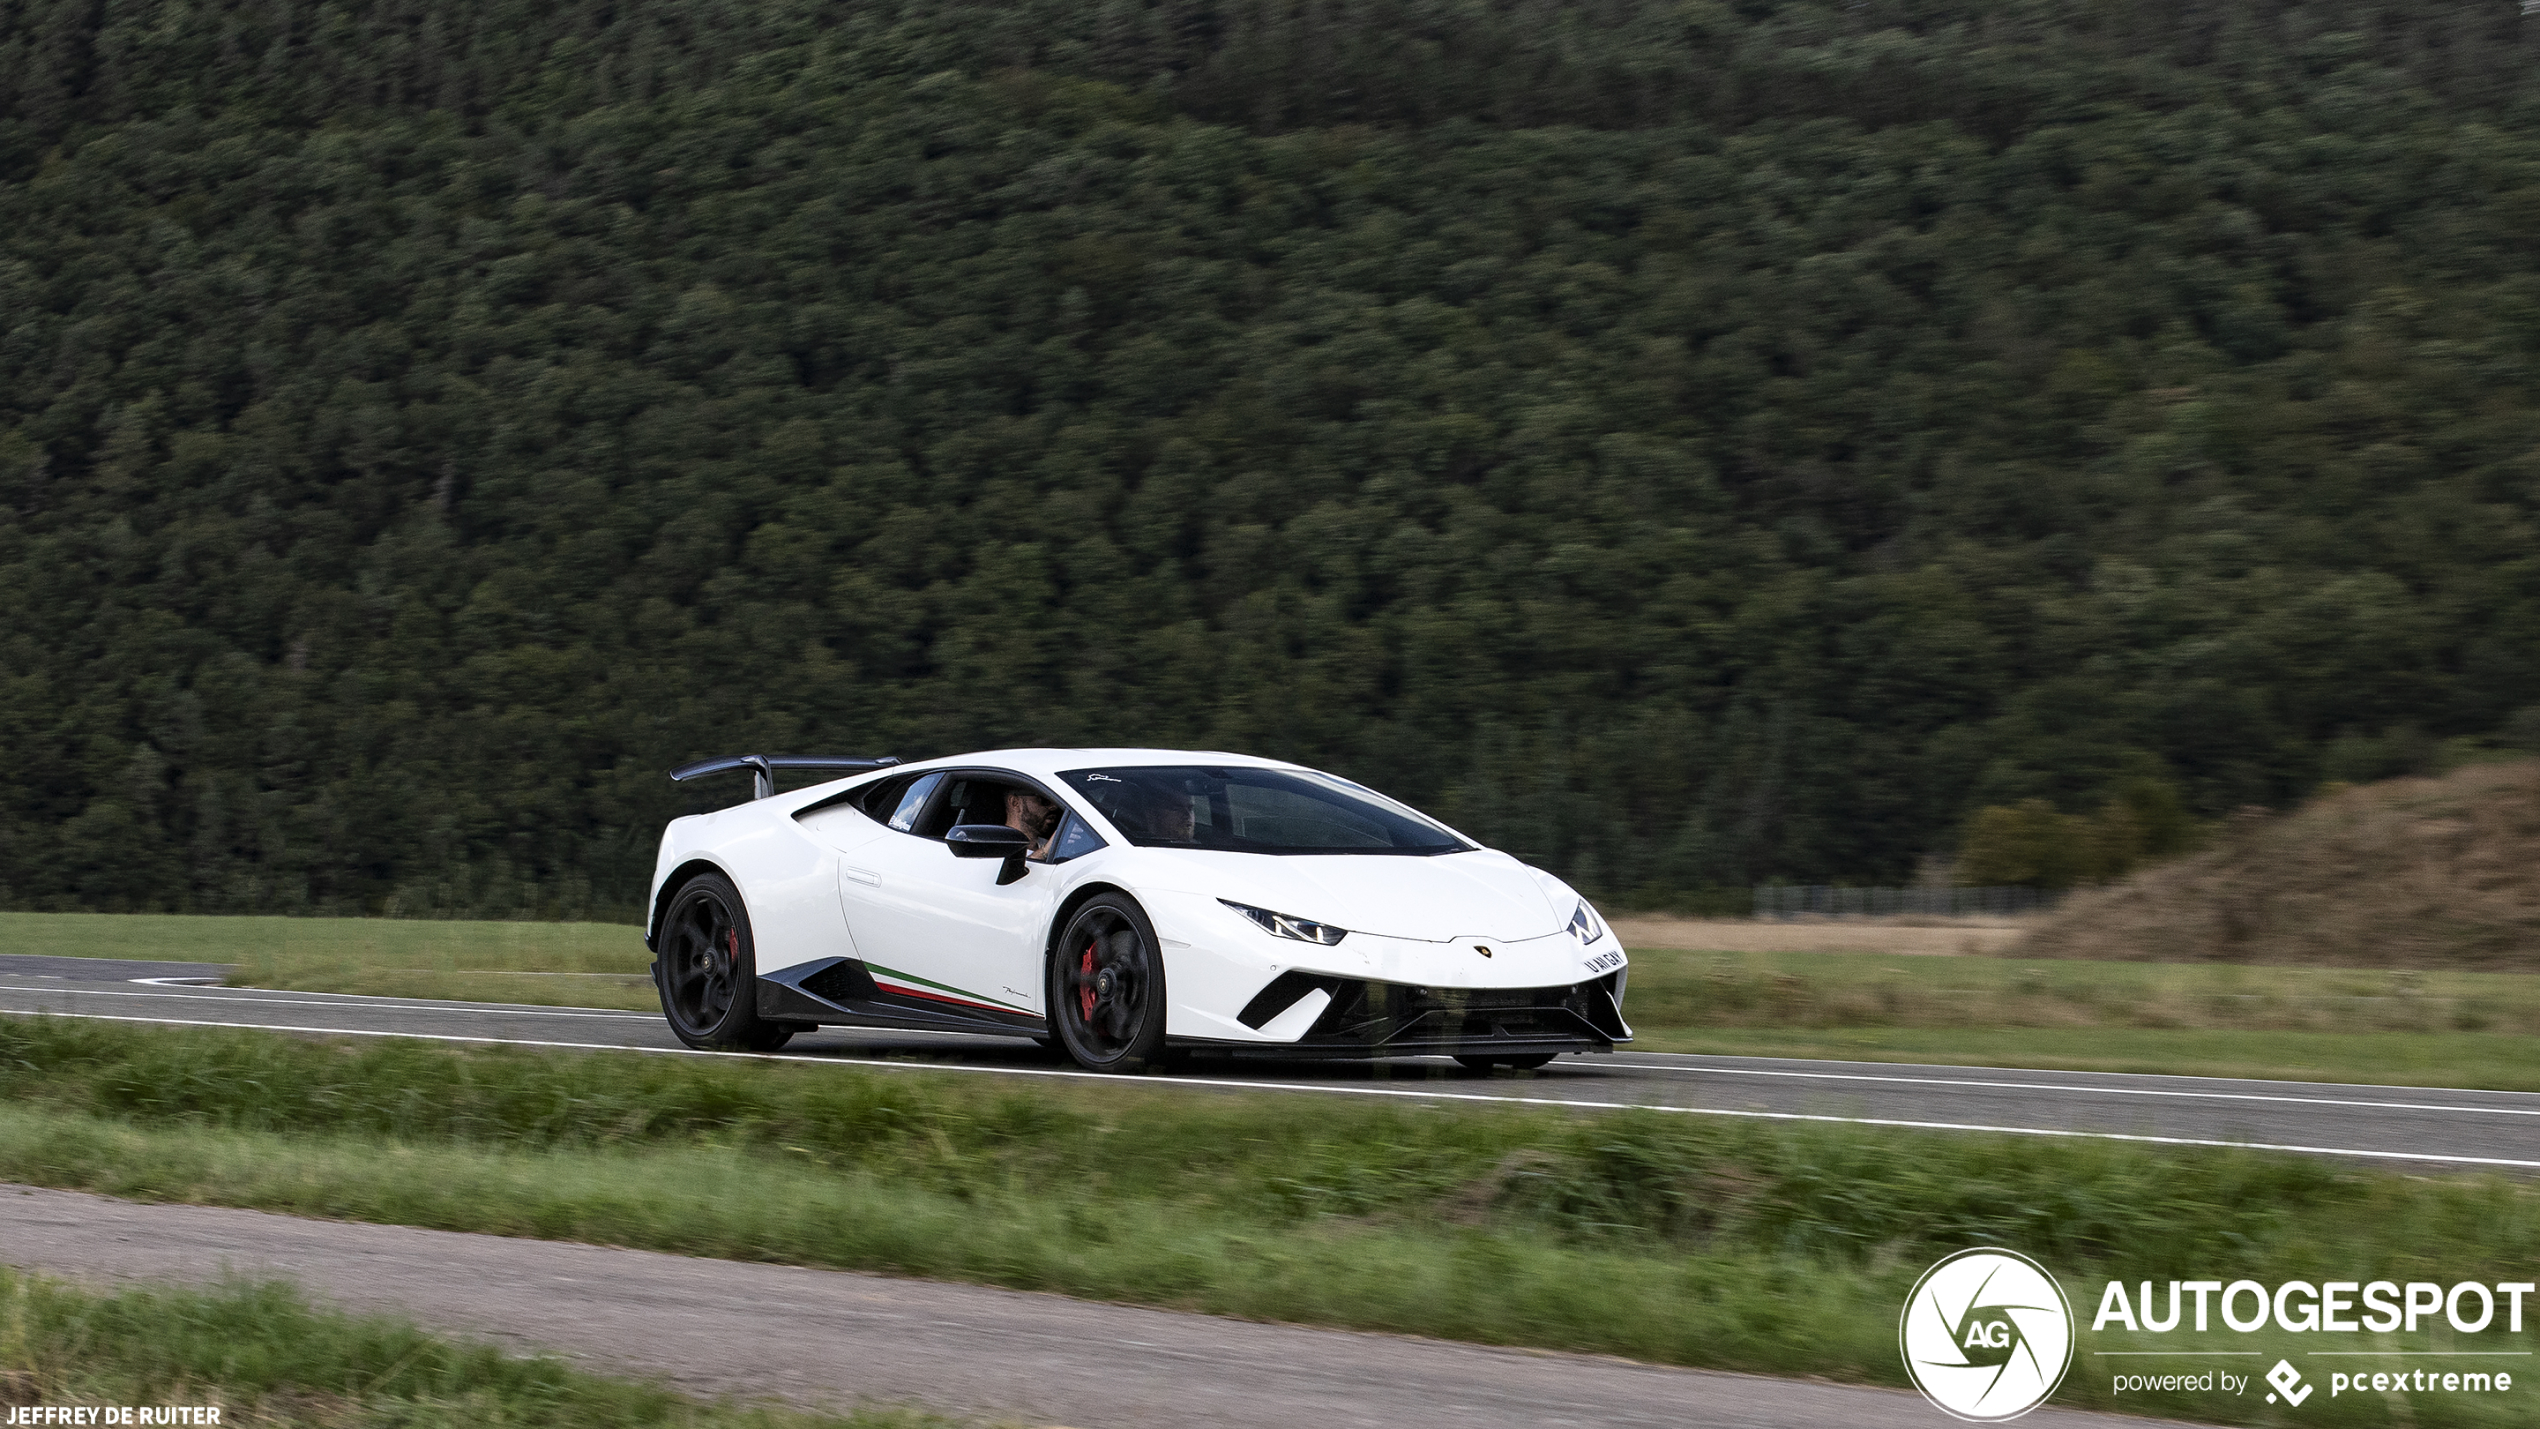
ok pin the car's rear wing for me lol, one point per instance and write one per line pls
(763, 767)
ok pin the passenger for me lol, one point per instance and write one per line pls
(1164, 814)
(1036, 817)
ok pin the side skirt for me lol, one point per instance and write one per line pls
(841, 992)
(1383, 1051)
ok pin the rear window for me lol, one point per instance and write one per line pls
(1240, 810)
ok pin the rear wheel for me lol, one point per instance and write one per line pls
(1106, 987)
(707, 971)
(1515, 1064)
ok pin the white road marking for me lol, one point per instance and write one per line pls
(265, 997)
(1412, 1093)
(310, 1000)
(2103, 1091)
(1641, 1059)
(271, 997)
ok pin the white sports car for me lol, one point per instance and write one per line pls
(1118, 904)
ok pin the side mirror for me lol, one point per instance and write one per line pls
(992, 841)
(986, 841)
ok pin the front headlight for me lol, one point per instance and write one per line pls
(1583, 925)
(1284, 925)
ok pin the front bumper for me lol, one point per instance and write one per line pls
(1367, 1018)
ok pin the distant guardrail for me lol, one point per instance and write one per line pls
(1821, 900)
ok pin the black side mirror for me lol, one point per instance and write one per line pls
(992, 841)
(987, 840)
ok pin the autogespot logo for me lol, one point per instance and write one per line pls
(1986, 1335)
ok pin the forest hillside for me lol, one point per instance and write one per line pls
(1683, 443)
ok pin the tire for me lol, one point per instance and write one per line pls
(707, 971)
(1106, 987)
(1526, 1063)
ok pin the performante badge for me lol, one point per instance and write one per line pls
(1987, 1335)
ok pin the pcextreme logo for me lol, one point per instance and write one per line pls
(1987, 1335)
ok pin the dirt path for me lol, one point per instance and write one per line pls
(1969, 936)
(826, 1337)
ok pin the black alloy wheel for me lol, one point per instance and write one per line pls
(1526, 1063)
(707, 971)
(1106, 987)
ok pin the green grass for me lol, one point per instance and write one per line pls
(548, 964)
(2203, 1019)
(264, 1356)
(1754, 1246)
(1853, 990)
(2489, 1060)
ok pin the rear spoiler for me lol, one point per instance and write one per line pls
(763, 767)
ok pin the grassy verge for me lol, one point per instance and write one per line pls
(2488, 1060)
(548, 964)
(1849, 990)
(1774, 1248)
(265, 1357)
(2319, 1024)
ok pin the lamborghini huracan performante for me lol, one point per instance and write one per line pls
(1121, 905)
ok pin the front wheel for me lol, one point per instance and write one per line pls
(707, 971)
(1106, 987)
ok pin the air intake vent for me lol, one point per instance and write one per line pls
(842, 982)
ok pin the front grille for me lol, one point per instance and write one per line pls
(1402, 1016)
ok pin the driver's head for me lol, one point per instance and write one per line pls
(1166, 814)
(1029, 812)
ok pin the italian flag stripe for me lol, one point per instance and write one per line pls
(916, 987)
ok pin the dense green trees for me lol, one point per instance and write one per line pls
(2035, 845)
(1683, 443)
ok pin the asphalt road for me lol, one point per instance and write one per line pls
(714, 1327)
(2374, 1123)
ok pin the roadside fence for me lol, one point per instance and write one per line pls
(1820, 900)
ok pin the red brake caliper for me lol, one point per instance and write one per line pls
(1085, 992)
(733, 935)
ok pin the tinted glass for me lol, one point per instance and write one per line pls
(1288, 811)
(912, 803)
(1076, 839)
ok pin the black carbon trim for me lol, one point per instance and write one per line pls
(1282, 993)
(1385, 1018)
(841, 992)
(763, 767)
(841, 982)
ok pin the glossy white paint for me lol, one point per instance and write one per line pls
(835, 882)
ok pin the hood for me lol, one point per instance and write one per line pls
(1484, 894)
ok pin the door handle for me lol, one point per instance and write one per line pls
(864, 876)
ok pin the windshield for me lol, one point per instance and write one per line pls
(1289, 811)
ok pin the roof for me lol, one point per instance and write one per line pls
(1049, 763)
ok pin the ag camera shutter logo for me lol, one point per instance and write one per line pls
(1987, 1335)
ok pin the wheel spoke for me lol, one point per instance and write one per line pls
(1102, 982)
(702, 964)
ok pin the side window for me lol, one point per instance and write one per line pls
(913, 802)
(970, 799)
(1075, 840)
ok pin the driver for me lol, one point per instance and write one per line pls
(1036, 817)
